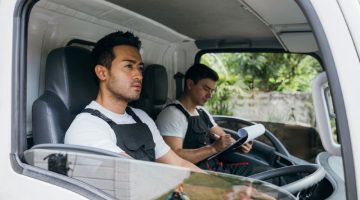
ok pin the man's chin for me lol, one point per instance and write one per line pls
(132, 98)
(202, 103)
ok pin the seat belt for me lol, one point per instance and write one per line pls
(179, 81)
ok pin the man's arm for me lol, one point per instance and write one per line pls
(172, 159)
(220, 132)
(197, 155)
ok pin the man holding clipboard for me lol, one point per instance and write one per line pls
(189, 129)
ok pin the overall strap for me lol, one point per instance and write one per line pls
(132, 114)
(109, 121)
(100, 115)
(201, 112)
(182, 109)
(205, 117)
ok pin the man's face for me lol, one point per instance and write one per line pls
(201, 91)
(124, 78)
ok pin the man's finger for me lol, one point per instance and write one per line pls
(245, 148)
(227, 136)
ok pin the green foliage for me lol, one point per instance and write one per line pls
(241, 72)
(227, 89)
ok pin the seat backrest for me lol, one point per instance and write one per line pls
(70, 84)
(155, 89)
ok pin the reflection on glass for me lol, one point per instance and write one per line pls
(221, 186)
(132, 179)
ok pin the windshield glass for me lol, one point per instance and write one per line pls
(132, 179)
(273, 89)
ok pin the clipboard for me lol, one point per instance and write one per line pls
(244, 135)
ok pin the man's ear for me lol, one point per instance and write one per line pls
(101, 72)
(189, 84)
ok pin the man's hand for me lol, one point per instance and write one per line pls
(222, 143)
(245, 148)
(247, 192)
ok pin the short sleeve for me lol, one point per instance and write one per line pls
(172, 122)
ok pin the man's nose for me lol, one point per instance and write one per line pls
(138, 74)
(209, 94)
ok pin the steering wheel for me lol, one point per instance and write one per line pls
(279, 147)
(317, 173)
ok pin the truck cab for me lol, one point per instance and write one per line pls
(312, 154)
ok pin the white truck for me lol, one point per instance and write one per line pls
(175, 34)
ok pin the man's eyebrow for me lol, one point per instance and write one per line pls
(134, 62)
(209, 87)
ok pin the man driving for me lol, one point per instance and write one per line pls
(189, 129)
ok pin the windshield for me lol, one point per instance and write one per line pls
(132, 179)
(273, 89)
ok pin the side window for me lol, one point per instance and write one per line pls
(269, 88)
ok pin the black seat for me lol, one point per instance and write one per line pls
(70, 84)
(155, 89)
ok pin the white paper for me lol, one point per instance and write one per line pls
(253, 131)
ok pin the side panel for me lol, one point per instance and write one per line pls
(344, 79)
(16, 186)
(351, 12)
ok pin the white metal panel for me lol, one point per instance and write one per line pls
(299, 42)
(351, 12)
(16, 186)
(50, 28)
(6, 39)
(348, 68)
(178, 58)
(113, 16)
(285, 11)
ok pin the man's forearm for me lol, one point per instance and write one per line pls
(217, 131)
(196, 155)
(191, 166)
(172, 158)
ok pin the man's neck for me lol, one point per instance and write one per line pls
(112, 104)
(187, 102)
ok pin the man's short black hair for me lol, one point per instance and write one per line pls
(198, 72)
(103, 53)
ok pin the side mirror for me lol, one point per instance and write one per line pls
(324, 113)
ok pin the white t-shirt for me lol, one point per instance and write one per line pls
(89, 130)
(172, 122)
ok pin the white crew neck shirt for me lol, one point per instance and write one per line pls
(89, 130)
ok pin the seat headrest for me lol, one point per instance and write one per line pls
(155, 84)
(70, 75)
